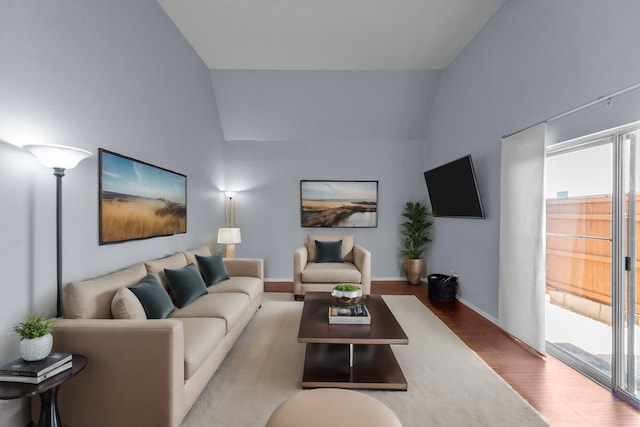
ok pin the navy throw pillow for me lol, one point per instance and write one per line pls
(329, 251)
(154, 299)
(186, 284)
(212, 268)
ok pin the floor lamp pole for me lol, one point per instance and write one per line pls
(59, 173)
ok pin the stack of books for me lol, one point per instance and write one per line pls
(356, 314)
(20, 371)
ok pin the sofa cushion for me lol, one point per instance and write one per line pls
(91, 299)
(212, 268)
(125, 305)
(347, 245)
(251, 286)
(228, 306)
(331, 272)
(186, 284)
(201, 336)
(191, 254)
(156, 267)
(154, 299)
(329, 251)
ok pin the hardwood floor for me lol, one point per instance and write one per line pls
(562, 395)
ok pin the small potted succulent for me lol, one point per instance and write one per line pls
(36, 340)
(346, 294)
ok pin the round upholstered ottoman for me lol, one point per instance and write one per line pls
(333, 407)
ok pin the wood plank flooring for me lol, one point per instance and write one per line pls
(562, 395)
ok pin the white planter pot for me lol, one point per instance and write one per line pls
(36, 348)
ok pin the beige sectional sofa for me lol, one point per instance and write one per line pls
(144, 372)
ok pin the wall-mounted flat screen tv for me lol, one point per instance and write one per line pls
(453, 190)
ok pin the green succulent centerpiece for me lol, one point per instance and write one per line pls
(346, 293)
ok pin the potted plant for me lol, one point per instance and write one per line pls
(346, 293)
(36, 340)
(415, 232)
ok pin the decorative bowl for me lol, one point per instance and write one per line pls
(346, 294)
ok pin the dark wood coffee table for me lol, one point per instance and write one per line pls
(350, 356)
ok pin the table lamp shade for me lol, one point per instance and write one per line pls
(229, 236)
(57, 156)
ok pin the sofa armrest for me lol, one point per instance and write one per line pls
(362, 260)
(300, 259)
(134, 375)
(252, 267)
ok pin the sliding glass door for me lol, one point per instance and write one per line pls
(626, 301)
(579, 200)
(592, 257)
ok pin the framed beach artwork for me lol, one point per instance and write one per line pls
(139, 200)
(338, 203)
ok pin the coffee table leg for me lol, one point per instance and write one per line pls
(350, 355)
(49, 409)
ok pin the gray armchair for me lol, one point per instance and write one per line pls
(354, 266)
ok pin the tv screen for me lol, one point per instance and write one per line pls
(453, 190)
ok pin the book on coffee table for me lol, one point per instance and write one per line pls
(22, 368)
(356, 314)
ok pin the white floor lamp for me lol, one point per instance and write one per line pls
(230, 236)
(59, 158)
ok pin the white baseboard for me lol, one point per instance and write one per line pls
(480, 312)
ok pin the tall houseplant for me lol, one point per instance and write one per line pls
(415, 235)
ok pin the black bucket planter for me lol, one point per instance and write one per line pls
(443, 287)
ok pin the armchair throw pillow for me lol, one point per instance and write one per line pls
(154, 299)
(329, 251)
(186, 284)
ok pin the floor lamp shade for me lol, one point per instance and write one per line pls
(59, 158)
(229, 237)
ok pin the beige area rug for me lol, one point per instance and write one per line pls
(449, 385)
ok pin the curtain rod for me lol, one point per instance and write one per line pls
(581, 107)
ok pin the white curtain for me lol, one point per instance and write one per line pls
(522, 237)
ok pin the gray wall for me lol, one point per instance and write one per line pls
(112, 74)
(285, 126)
(532, 61)
(309, 106)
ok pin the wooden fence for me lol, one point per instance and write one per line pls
(582, 267)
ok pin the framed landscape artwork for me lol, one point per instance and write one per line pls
(139, 200)
(338, 203)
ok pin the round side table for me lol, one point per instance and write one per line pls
(47, 390)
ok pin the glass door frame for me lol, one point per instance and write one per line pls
(577, 144)
(624, 284)
(623, 263)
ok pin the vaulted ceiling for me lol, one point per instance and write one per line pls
(329, 34)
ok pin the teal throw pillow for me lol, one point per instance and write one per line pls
(329, 251)
(212, 268)
(154, 299)
(186, 284)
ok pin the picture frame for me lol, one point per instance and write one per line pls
(138, 200)
(338, 203)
